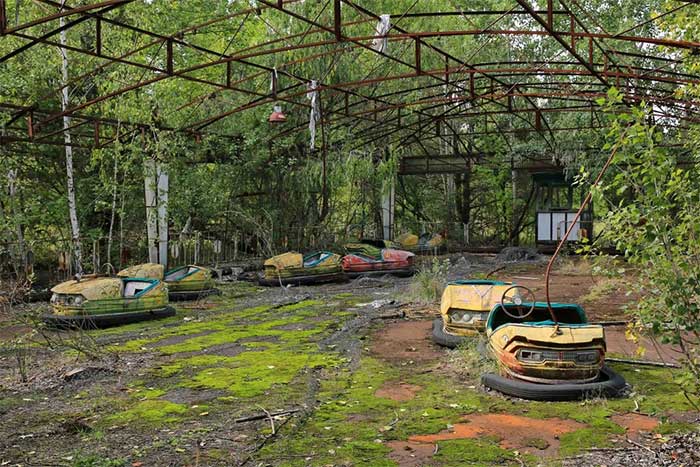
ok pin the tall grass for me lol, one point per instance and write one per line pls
(429, 282)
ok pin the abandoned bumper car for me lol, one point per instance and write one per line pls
(373, 258)
(547, 351)
(97, 301)
(425, 243)
(543, 353)
(184, 283)
(295, 269)
(464, 308)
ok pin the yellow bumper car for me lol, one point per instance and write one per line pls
(98, 301)
(295, 269)
(464, 308)
(547, 352)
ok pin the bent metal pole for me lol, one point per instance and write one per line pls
(568, 232)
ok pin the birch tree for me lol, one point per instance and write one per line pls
(65, 101)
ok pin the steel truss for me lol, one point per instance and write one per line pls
(423, 99)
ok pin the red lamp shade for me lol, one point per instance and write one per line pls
(277, 116)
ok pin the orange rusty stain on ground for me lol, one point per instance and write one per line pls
(514, 431)
(398, 391)
(634, 423)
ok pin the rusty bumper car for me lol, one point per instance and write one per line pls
(97, 301)
(547, 352)
(363, 259)
(189, 282)
(464, 308)
(425, 243)
(295, 269)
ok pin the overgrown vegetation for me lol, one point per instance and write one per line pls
(429, 281)
(653, 222)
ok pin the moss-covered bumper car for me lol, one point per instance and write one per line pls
(295, 269)
(426, 243)
(365, 259)
(547, 353)
(184, 283)
(464, 309)
(99, 301)
(190, 283)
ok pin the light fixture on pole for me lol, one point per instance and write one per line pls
(277, 116)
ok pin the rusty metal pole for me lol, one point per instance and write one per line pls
(3, 17)
(337, 20)
(570, 229)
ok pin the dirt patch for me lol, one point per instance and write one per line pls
(13, 331)
(245, 340)
(226, 350)
(617, 342)
(514, 431)
(404, 341)
(635, 423)
(295, 327)
(191, 396)
(571, 288)
(408, 454)
(398, 391)
(180, 339)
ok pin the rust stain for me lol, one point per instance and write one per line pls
(398, 391)
(635, 423)
(514, 431)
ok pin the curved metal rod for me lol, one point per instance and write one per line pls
(568, 232)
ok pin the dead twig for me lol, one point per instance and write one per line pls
(494, 271)
(641, 446)
(610, 323)
(608, 449)
(265, 415)
(642, 362)
(390, 316)
(269, 417)
(262, 443)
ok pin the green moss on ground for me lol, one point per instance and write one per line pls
(252, 373)
(271, 368)
(149, 413)
(458, 452)
(351, 425)
(354, 424)
(91, 460)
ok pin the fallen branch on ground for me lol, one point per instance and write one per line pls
(265, 415)
(642, 362)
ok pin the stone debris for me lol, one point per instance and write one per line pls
(655, 450)
(513, 253)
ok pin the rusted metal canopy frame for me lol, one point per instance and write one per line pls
(180, 74)
(441, 99)
(571, 36)
(160, 39)
(419, 43)
(617, 75)
(158, 70)
(591, 95)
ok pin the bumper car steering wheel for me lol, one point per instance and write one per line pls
(518, 295)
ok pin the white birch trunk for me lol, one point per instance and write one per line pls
(162, 215)
(114, 211)
(388, 197)
(149, 178)
(21, 260)
(72, 209)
